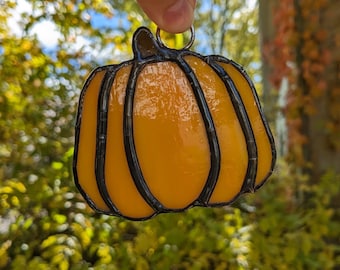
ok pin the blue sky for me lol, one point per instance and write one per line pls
(99, 20)
(48, 34)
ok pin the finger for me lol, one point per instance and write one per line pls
(173, 16)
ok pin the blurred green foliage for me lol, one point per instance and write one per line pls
(295, 224)
(44, 222)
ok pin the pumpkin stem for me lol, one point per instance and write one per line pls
(144, 44)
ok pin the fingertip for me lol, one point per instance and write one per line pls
(179, 17)
(173, 16)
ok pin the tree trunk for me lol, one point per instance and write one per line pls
(267, 32)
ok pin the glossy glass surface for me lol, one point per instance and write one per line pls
(119, 182)
(234, 156)
(87, 143)
(170, 136)
(265, 155)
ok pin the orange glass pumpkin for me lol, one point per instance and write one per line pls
(168, 130)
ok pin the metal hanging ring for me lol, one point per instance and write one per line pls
(186, 47)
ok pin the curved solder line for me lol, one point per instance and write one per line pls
(146, 51)
(129, 143)
(101, 137)
(222, 59)
(77, 138)
(249, 181)
(215, 153)
(158, 52)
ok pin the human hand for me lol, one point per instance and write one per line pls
(173, 16)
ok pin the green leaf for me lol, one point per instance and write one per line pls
(57, 165)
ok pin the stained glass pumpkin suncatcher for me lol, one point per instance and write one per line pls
(168, 130)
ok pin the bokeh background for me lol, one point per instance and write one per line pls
(291, 49)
